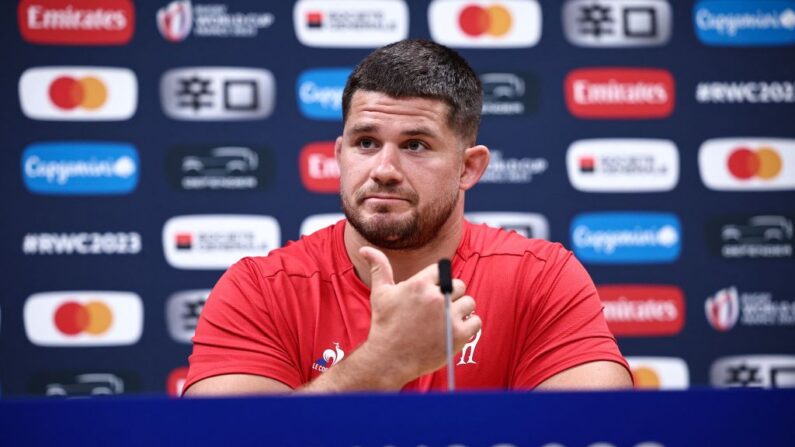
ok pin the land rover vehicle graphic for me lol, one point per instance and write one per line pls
(498, 86)
(87, 385)
(759, 229)
(224, 160)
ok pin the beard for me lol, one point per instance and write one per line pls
(391, 233)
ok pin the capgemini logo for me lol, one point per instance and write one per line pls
(175, 20)
(723, 309)
(626, 237)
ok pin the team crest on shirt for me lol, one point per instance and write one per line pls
(468, 353)
(329, 359)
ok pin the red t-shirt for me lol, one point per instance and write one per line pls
(292, 314)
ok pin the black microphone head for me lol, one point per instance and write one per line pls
(445, 276)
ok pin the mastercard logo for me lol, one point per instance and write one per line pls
(764, 163)
(646, 378)
(659, 373)
(83, 318)
(94, 318)
(494, 20)
(68, 93)
(748, 164)
(73, 93)
(485, 24)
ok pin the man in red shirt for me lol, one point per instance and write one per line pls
(357, 306)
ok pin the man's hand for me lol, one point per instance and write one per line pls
(407, 326)
(406, 338)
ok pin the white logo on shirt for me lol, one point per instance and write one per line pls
(330, 358)
(470, 347)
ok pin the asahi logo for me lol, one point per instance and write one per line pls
(755, 371)
(751, 236)
(617, 23)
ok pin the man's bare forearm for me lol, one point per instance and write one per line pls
(364, 370)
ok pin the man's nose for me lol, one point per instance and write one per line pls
(387, 169)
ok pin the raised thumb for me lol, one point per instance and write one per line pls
(380, 269)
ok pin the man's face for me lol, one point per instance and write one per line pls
(400, 168)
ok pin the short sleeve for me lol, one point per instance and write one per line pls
(567, 327)
(237, 334)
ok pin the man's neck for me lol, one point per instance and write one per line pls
(406, 263)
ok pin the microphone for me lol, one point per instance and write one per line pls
(446, 286)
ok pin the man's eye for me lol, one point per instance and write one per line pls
(366, 143)
(416, 145)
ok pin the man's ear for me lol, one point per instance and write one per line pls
(338, 148)
(476, 159)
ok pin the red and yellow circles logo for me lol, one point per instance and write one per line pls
(68, 93)
(646, 378)
(494, 20)
(763, 163)
(93, 318)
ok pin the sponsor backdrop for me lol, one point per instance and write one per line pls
(150, 145)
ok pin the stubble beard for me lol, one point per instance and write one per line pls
(391, 233)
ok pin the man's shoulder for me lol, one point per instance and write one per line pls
(310, 255)
(486, 241)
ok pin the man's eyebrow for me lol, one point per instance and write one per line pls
(363, 128)
(419, 131)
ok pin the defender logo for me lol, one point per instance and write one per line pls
(226, 168)
(761, 236)
(507, 94)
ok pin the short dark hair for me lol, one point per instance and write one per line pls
(424, 69)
